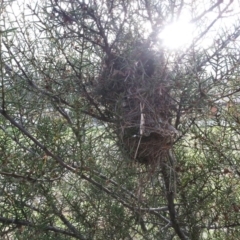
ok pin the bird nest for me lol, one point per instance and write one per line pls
(134, 93)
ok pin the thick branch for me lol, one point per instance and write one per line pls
(170, 200)
(9, 221)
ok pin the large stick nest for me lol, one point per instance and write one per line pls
(134, 92)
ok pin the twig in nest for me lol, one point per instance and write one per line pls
(135, 156)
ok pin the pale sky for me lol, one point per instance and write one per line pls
(180, 33)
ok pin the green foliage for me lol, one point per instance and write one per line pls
(68, 72)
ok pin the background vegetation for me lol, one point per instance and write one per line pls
(67, 72)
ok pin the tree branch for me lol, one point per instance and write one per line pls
(170, 200)
(10, 221)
